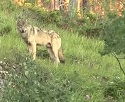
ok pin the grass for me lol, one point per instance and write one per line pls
(89, 70)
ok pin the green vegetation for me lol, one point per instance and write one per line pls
(87, 76)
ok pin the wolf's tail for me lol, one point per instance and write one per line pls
(61, 56)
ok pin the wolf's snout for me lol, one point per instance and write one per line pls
(22, 31)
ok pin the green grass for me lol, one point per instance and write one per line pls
(89, 70)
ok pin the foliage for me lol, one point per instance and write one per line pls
(5, 30)
(89, 25)
(114, 36)
(115, 90)
(43, 15)
(8, 5)
(28, 81)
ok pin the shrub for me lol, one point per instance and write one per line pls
(5, 30)
(115, 90)
(43, 15)
(114, 36)
(27, 81)
(9, 6)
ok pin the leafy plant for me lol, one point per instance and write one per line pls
(5, 30)
(115, 90)
(114, 36)
(28, 81)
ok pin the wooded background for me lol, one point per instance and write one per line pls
(98, 7)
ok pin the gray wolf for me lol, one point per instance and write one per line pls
(34, 36)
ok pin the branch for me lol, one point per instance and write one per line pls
(118, 63)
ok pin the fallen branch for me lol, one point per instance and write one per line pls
(118, 62)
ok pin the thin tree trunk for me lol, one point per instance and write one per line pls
(120, 7)
(52, 5)
(72, 8)
(78, 2)
(40, 3)
(91, 7)
(84, 4)
(66, 4)
(56, 4)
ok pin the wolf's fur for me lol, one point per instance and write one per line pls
(33, 36)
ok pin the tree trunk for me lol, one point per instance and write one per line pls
(54, 5)
(120, 7)
(78, 4)
(40, 3)
(66, 4)
(72, 8)
(91, 7)
(84, 4)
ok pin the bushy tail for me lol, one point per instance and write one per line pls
(61, 56)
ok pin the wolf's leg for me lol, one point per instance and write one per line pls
(50, 51)
(56, 43)
(56, 58)
(34, 50)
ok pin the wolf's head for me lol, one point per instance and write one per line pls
(21, 25)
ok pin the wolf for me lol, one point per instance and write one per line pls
(33, 36)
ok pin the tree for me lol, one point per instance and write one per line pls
(78, 8)
(54, 4)
(66, 4)
(114, 36)
(39, 3)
